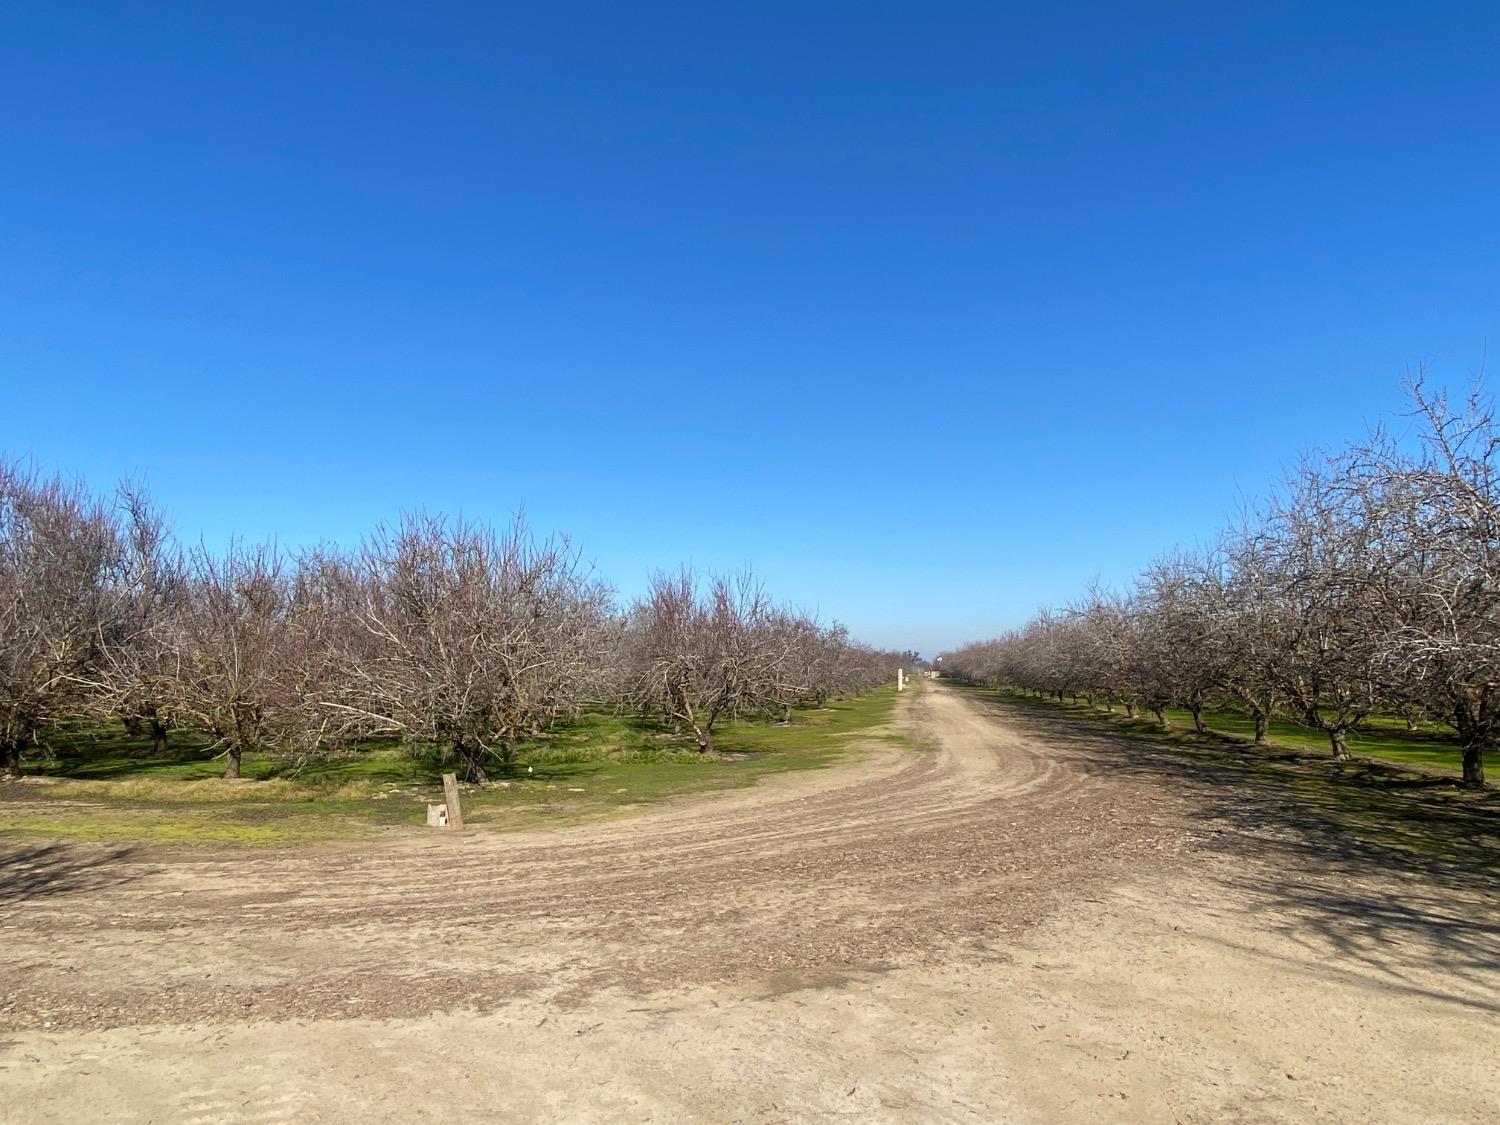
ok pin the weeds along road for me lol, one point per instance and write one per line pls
(1016, 921)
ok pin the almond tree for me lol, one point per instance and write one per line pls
(1180, 638)
(470, 639)
(795, 649)
(136, 664)
(1438, 579)
(698, 657)
(58, 549)
(1322, 566)
(1253, 626)
(229, 649)
(1107, 625)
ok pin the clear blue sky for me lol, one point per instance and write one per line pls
(928, 311)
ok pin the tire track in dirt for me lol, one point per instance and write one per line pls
(889, 857)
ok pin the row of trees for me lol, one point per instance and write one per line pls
(1369, 583)
(441, 632)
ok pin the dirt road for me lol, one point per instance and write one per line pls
(1005, 925)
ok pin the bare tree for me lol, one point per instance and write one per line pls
(838, 665)
(137, 657)
(449, 634)
(471, 640)
(58, 547)
(1180, 639)
(230, 650)
(699, 656)
(794, 648)
(1254, 626)
(1438, 573)
(1322, 562)
(1372, 583)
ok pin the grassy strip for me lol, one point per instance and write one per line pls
(1380, 737)
(1388, 813)
(104, 785)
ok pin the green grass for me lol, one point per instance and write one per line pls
(1380, 737)
(104, 785)
(1399, 816)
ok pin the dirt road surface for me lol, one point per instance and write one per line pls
(1018, 922)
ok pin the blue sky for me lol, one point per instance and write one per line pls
(929, 312)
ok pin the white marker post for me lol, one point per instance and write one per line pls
(900, 679)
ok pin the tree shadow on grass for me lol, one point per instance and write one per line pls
(1370, 867)
(36, 871)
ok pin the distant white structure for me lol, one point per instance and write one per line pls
(900, 679)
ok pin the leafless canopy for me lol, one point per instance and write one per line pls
(444, 633)
(469, 638)
(59, 550)
(1370, 582)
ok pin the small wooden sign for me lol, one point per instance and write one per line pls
(450, 793)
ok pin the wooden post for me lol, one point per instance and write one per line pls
(450, 793)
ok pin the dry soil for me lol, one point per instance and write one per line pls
(1011, 924)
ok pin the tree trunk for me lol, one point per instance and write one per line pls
(158, 736)
(703, 733)
(11, 755)
(786, 712)
(1130, 710)
(246, 733)
(473, 759)
(1262, 722)
(1161, 717)
(1197, 710)
(1340, 741)
(1473, 752)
